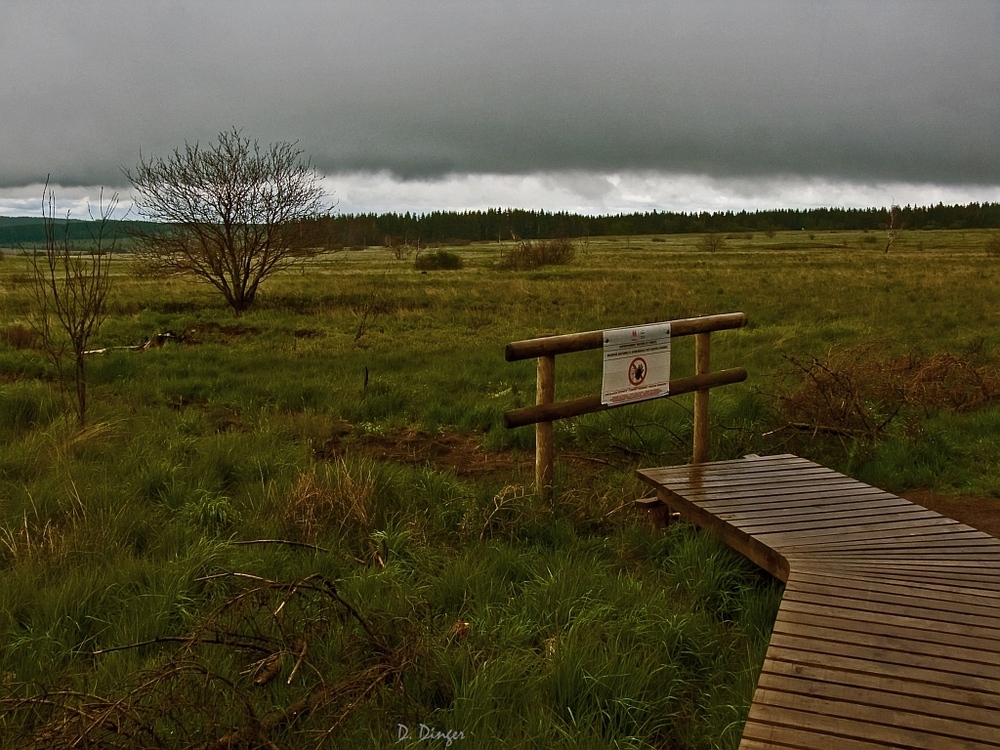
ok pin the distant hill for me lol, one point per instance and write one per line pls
(348, 230)
(16, 230)
(29, 231)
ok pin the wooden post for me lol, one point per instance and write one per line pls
(654, 511)
(545, 394)
(546, 410)
(702, 358)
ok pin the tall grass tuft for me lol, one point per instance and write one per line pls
(438, 260)
(528, 255)
(25, 407)
(327, 497)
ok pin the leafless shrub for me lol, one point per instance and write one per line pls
(712, 241)
(400, 247)
(947, 381)
(527, 255)
(69, 292)
(859, 392)
(372, 306)
(230, 215)
(893, 227)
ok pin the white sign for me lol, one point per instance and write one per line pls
(636, 364)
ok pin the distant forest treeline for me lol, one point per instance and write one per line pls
(352, 230)
(29, 231)
(361, 230)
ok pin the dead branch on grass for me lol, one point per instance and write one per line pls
(153, 342)
(859, 392)
(194, 695)
(287, 542)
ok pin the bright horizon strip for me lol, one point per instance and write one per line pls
(583, 193)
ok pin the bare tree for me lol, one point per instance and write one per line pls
(70, 289)
(892, 229)
(712, 241)
(231, 214)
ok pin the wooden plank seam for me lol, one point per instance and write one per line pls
(888, 633)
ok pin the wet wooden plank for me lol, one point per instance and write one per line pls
(851, 720)
(955, 702)
(748, 497)
(954, 587)
(810, 526)
(795, 508)
(912, 616)
(935, 541)
(888, 634)
(889, 592)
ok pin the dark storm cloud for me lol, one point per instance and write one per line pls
(876, 91)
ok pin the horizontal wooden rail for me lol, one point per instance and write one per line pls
(590, 404)
(546, 410)
(579, 342)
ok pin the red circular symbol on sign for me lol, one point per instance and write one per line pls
(637, 371)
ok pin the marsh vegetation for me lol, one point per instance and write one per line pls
(275, 530)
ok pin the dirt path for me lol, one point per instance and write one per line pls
(981, 513)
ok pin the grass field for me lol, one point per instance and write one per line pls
(307, 527)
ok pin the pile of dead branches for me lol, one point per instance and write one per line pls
(242, 679)
(859, 392)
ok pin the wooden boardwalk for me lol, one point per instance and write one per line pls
(888, 633)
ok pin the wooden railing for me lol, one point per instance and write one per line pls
(546, 409)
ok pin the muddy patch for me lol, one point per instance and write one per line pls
(981, 513)
(462, 454)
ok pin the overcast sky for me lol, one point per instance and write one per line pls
(597, 107)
